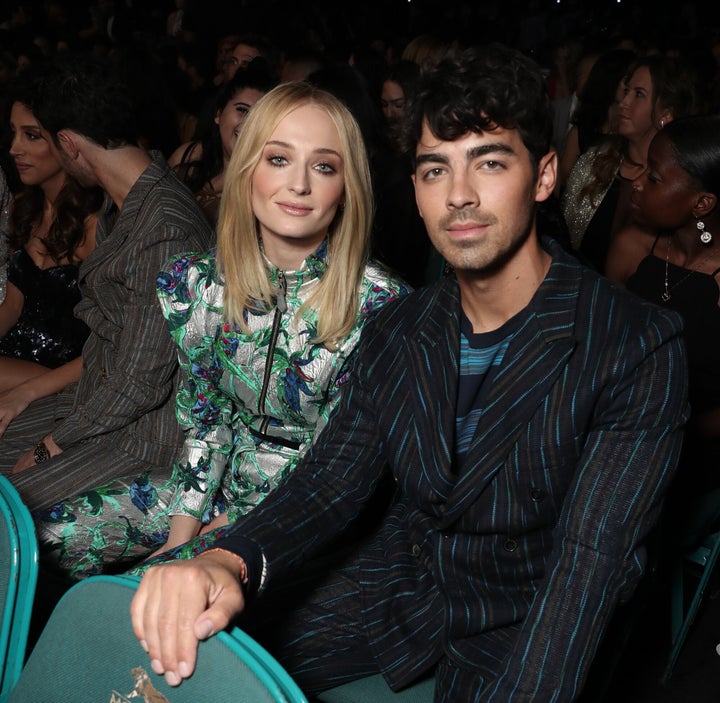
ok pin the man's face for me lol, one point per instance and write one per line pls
(477, 196)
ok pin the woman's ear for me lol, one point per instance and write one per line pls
(665, 117)
(704, 205)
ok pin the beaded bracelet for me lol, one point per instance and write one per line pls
(243, 566)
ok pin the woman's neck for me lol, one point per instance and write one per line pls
(690, 251)
(637, 149)
(51, 189)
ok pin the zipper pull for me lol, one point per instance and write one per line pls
(280, 302)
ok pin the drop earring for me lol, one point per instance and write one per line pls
(705, 237)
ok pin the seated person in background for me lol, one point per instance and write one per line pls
(671, 257)
(5, 196)
(266, 330)
(398, 87)
(201, 164)
(246, 48)
(398, 237)
(596, 112)
(596, 201)
(530, 465)
(51, 230)
(119, 418)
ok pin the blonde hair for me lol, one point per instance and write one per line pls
(239, 255)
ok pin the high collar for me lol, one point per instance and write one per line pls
(313, 267)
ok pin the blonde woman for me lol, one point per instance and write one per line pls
(266, 328)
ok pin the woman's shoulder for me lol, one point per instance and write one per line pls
(189, 151)
(380, 285)
(191, 298)
(628, 248)
(189, 279)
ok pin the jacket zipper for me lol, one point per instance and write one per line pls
(280, 308)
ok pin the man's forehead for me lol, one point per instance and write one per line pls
(429, 142)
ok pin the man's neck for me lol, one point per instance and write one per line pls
(490, 300)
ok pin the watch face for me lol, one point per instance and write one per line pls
(41, 453)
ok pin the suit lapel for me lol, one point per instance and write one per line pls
(433, 353)
(535, 357)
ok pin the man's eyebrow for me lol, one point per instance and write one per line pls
(493, 148)
(431, 158)
(472, 153)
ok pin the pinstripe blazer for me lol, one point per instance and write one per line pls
(126, 391)
(506, 573)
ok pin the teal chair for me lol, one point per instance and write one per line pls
(18, 578)
(374, 689)
(87, 653)
(691, 575)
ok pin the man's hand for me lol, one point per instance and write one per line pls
(180, 603)
(27, 459)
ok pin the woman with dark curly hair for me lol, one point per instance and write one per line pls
(51, 230)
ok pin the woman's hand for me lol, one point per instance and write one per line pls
(220, 521)
(182, 529)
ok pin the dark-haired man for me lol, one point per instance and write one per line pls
(120, 417)
(529, 411)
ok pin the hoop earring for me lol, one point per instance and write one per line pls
(705, 237)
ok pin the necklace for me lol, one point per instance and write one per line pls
(665, 296)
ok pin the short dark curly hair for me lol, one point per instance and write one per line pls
(87, 96)
(478, 90)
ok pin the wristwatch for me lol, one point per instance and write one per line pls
(41, 452)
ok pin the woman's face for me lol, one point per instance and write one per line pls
(230, 118)
(665, 194)
(392, 100)
(240, 57)
(635, 109)
(34, 157)
(298, 185)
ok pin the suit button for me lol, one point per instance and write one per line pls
(537, 494)
(102, 372)
(510, 545)
(416, 550)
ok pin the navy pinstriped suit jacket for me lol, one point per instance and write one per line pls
(505, 575)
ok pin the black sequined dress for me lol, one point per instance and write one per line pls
(47, 332)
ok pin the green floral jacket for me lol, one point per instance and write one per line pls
(251, 404)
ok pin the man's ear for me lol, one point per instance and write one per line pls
(68, 143)
(547, 175)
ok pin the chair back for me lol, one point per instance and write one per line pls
(88, 653)
(18, 578)
(376, 690)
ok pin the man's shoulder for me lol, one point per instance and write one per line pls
(596, 306)
(606, 303)
(166, 205)
(424, 308)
